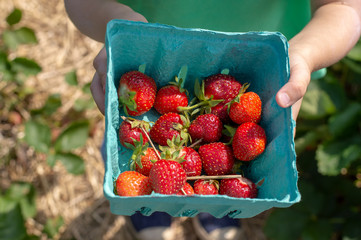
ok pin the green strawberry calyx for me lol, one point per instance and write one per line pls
(238, 97)
(139, 148)
(173, 150)
(200, 104)
(127, 101)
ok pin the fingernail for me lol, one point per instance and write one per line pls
(285, 99)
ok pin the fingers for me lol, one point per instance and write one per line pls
(97, 91)
(97, 86)
(291, 93)
(100, 65)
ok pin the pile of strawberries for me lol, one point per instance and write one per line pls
(194, 146)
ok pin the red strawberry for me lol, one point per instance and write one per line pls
(221, 86)
(238, 187)
(217, 158)
(216, 88)
(166, 127)
(246, 107)
(170, 97)
(130, 130)
(131, 183)
(206, 187)
(187, 189)
(249, 141)
(167, 177)
(146, 161)
(221, 111)
(136, 92)
(207, 127)
(192, 163)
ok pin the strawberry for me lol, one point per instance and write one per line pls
(221, 111)
(217, 158)
(238, 187)
(192, 163)
(168, 126)
(167, 177)
(170, 97)
(221, 86)
(246, 107)
(136, 93)
(131, 129)
(186, 156)
(187, 189)
(206, 187)
(207, 127)
(145, 163)
(131, 183)
(249, 141)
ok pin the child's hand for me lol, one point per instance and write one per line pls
(97, 86)
(291, 93)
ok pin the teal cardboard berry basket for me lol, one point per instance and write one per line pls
(259, 58)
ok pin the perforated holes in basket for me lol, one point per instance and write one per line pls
(234, 213)
(145, 211)
(189, 213)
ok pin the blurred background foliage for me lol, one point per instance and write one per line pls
(328, 147)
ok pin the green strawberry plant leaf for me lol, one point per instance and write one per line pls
(13, 38)
(51, 158)
(74, 136)
(12, 222)
(355, 53)
(52, 226)
(316, 103)
(14, 17)
(23, 193)
(320, 229)
(349, 118)
(335, 155)
(276, 222)
(38, 136)
(71, 78)
(353, 65)
(83, 103)
(73, 163)
(86, 88)
(51, 105)
(25, 66)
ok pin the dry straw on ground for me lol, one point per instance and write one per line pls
(78, 199)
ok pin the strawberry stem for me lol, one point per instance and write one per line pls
(195, 143)
(151, 142)
(214, 177)
(146, 134)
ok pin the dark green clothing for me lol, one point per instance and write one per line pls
(285, 16)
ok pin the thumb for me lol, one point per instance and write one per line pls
(296, 87)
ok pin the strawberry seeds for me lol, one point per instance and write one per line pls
(194, 147)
